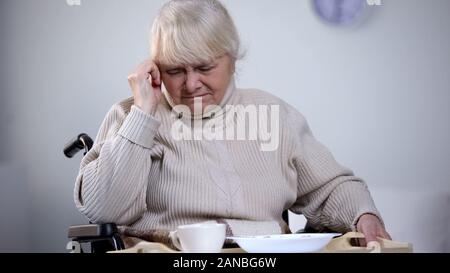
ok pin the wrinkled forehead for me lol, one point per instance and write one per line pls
(176, 57)
(168, 65)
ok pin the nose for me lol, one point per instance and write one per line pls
(193, 82)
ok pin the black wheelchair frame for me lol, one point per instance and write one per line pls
(100, 237)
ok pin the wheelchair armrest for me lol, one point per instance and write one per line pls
(93, 231)
(101, 237)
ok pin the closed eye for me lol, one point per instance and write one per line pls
(205, 68)
(174, 71)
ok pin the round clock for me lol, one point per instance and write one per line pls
(339, 12)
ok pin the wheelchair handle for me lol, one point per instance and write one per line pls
(82, 141)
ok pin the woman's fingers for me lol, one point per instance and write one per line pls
(370, 234)
(155, 75)
(156, 88)
(148, 68)
(372, 228)
(154, 72)
(145, 83)
(385, 235)
(373, 233)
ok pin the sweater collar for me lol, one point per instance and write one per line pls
(211, 112)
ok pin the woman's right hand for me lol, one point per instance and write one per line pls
(145, 83)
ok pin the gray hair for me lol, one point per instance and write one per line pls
(193, 31)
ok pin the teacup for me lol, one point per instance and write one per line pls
(207, 237)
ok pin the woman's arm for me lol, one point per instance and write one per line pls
(112, 182)
(328, 194)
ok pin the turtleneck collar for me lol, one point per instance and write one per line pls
(211, 112)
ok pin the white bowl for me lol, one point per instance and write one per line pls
(284, 243)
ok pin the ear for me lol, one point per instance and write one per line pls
(232, 65)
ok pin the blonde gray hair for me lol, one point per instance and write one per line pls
(193, 31)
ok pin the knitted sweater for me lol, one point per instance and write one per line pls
(138, 175)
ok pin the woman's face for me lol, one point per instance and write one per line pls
(206, 80)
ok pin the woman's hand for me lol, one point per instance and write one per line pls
(371, 227)
(145, 83)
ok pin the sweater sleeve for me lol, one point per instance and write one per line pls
(112, 181)
(328, 194)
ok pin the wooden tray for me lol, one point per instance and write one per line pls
(340, 244)
(343, 244)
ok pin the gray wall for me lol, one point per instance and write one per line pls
(14, 194)
(376, 94)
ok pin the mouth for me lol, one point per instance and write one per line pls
(195, 96)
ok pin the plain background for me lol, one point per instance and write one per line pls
(376, 94)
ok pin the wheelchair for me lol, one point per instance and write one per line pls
(99, 238)
(104, 237)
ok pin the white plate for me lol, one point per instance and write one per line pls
(284, 243)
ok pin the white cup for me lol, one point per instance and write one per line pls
(199, 238)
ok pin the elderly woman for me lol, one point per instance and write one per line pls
(141, 174)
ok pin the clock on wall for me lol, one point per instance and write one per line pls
(339, 12)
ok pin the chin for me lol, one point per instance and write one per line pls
(206, 100)
(204, 105)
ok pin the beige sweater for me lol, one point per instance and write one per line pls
(137, 175)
